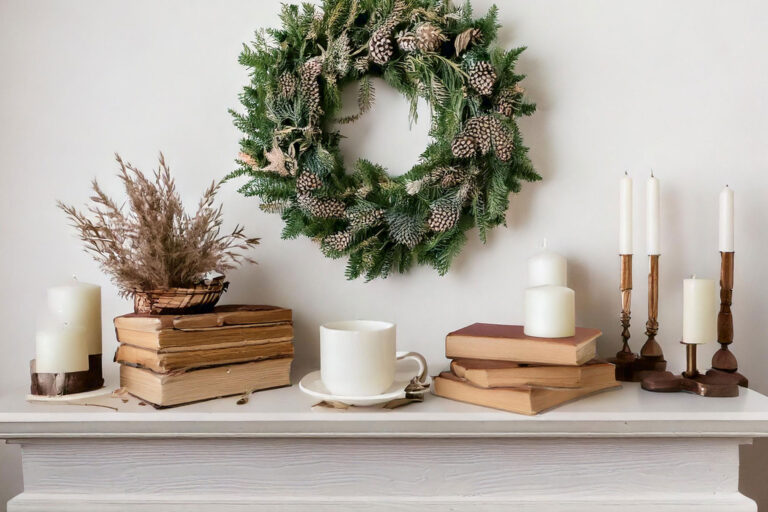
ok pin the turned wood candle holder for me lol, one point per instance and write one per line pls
(630, 367)
(724, 360)
(70, 383)
(625, 357)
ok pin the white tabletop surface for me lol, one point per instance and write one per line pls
(629, 411)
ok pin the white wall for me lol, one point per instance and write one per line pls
(679, 87)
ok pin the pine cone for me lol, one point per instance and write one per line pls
(380, 46)
(483, 133)
(406, 41)
(504, 149)
(483, 129)
(338, 241)
(287, 85)
(482, 77)
(442, 217)
(449, 176)
(308, 181)
(310, 88)
(463, 146)
(428, 37)
(364, 219)
(323, 208)
(505, 102)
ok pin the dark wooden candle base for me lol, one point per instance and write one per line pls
(636, 369)
(57, 384)
(714, 383)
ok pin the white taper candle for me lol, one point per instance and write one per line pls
(726, 220)
(652, 216)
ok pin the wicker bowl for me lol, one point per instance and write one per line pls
(179, 301)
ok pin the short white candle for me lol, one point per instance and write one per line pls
(699, 311)
(625, 215)
(547, 268)
(60, 348)
(653, 219)
(550, 312)
(726, 220)
(79, 305)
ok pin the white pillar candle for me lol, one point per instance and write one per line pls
(699, 311)
(547, 268)
(726, 220)
(60, 348)
(79, 305)
(550, 312)
(625, 215)
(653, 219)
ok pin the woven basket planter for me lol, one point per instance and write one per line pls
(179, 301)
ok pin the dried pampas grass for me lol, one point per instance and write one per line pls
(155, 244)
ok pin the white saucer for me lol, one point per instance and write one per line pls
(313, 385)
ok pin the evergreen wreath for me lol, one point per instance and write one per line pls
(424, 49)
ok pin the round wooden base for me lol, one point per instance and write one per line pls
(714, 383)
(58, 384)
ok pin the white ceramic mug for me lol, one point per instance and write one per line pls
(357, 357)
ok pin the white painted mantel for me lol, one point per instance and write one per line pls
(626, 450)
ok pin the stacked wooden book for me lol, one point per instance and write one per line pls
(499, 366)
(169, 360)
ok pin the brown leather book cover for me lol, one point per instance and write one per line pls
(222, 316)
(509, 343)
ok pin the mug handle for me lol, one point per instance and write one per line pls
(422, 375)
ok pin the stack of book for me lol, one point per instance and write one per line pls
(499, 366)
(170, 360)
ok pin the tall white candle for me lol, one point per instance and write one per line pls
(625, 215)
(547, 268)
(60, 348)
(653, 219)
(726, 220)
(550, 312)
(79, 305)
(699, 311)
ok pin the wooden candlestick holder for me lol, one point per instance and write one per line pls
(724, 360)
(70, 383)
(630, 367)
(722, 379)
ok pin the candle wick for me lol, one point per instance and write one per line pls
(626, 173)
(651, 173)
(74, 276)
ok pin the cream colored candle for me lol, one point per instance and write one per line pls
(79, 305)
(547, 268)
(726, 220)
(60, 348)
(653, 216)
(550, 312)
(625, 215)
(699, 311)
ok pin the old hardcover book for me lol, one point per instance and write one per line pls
(165, 390)
(169, 340)
(505, 374)
(222, 316)
(509, 343)
(523, 400)
(164, 362)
